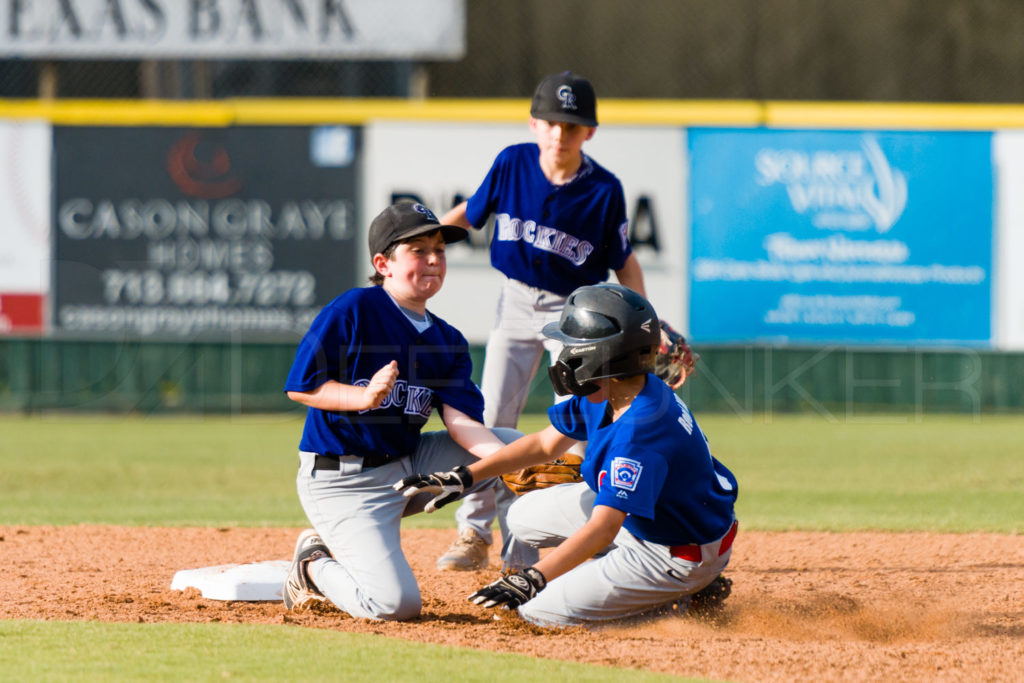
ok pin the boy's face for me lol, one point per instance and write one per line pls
(416, 270)
(601, 395)
(560, 142)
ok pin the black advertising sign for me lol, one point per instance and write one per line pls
(215, 233)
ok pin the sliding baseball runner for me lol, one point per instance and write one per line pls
(655, 512)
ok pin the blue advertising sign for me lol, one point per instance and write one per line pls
(841, 237)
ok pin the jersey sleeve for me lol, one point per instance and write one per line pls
(567, 418)
(458, 389)
(618, 247)
(631, 482)
(483, 201)
(317, 358)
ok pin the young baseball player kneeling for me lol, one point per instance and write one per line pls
(655, 508)
(371, 368)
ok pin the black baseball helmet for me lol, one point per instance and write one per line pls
(607, 331)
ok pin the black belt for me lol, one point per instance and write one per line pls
(332, 462)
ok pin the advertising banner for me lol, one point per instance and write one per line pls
(24, 225)
(227, 29)
(1009, 152)
(239, 233)
(841, 237)
(441, 164)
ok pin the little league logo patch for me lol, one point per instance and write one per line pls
(626, 473)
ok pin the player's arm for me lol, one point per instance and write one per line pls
(469, 433)
(590, 539)
(496, 457)
(336, 396)
(631, 275)
(531, 449)
(457, 216)
(512, 590)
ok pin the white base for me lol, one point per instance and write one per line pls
(254, 582)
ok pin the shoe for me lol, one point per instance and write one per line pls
(709, 599)
(299, 592)
(704, 604)
(468, 552)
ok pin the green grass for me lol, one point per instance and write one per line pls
(31, 650)
(948, 473)
(945, 473)
(149, 471)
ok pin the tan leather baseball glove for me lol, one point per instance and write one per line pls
(675, 360)
(564, 470)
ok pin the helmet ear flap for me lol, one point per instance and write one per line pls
(563, 380)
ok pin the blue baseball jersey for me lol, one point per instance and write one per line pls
(653, 463)
(352, 338)
(555, 237)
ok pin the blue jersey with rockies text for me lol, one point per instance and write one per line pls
(555, 237)
(352, 338)
(653, 463)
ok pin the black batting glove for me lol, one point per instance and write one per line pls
(511, 590)
(447, 486)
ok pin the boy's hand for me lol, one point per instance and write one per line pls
(380, 385)
(511, 590)
(447, 486)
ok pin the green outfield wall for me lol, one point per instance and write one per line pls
(835, 382)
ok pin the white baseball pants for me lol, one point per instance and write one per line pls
(631, 578)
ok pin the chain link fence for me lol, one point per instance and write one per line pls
(845, 50)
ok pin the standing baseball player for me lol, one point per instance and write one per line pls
(655, 508)
(560, 223)
(371, 368)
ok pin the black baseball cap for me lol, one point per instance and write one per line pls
(408, 219)
(565, 97)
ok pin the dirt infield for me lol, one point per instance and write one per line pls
(805, 606)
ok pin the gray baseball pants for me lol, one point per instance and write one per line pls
(631, 578)
(358, 515)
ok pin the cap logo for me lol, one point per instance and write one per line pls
(419, 208)
(646, 325)
(567, 97)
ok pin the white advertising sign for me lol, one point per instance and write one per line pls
(251, 29)
(24, 225)
(24, 207)
(441, 164)
(1009, 159)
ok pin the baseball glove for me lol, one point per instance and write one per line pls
(564, 470)
(676, 360)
